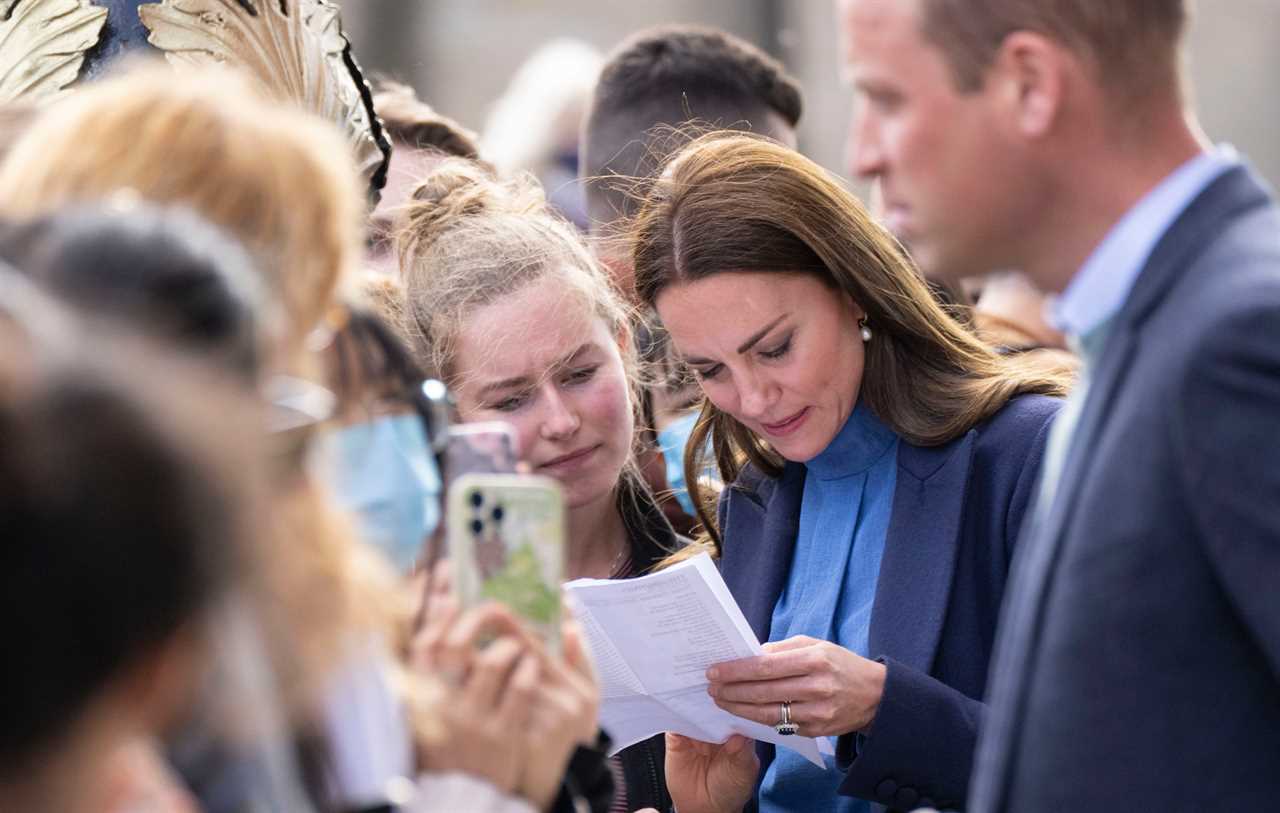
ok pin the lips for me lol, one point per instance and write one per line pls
(571, 460)
(787, 425)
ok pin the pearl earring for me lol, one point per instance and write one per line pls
(866, 331)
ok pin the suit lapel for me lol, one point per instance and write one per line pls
(1193, 231)
(916, 571)
(1228, 197)
(761, 537)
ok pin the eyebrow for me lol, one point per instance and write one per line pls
(523, 380)
(759, 334)
(749, 343)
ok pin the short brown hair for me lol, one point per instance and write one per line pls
(664, 77)
(1133, 43)
(409, 120)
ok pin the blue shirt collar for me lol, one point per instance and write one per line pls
(1103, 283)
(856, 447)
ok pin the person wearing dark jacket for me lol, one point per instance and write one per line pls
(880, 458)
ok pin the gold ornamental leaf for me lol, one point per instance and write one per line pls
(42, 45)
(295, 48)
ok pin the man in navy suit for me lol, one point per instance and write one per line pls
(1138, 661)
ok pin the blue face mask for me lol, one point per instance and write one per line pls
(673, 440)
(383, 473)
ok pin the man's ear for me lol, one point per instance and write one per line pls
(1030, 77)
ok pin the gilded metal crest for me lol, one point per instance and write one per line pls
(43, 44)
(296, 48)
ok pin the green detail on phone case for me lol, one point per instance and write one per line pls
(521, 587)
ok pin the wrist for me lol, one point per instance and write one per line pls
(876, 676)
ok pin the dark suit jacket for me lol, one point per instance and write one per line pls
(1139, 658)
(957, 510)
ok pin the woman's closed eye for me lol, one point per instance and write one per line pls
(779, 351)
(707, 373)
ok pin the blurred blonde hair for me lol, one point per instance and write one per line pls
(281, 181)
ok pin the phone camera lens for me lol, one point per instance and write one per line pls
(477, 526)
(498, 513)
(477, 499)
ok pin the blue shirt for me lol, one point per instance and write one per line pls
(844, 517)
(1103, 283)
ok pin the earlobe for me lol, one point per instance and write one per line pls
(623, 337)
(1030, 68)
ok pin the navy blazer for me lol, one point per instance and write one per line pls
(1139, 658)
(957, 510)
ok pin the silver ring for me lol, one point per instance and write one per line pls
(785, 726)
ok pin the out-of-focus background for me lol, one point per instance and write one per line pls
(461, 55)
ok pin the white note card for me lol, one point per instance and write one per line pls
(653, 638)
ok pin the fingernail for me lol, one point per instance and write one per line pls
(711, 690)
(713, 674)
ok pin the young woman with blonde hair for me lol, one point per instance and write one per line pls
(507, 306)
(878, 461)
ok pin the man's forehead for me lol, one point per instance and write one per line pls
(866, 23)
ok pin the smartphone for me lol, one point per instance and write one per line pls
(506, 537)
(486, 447)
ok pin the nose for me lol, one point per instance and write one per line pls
(560, 419)
(866, 158)
(755, 396)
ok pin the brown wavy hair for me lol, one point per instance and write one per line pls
(734, 202)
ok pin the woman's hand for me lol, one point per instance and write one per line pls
(565, 714)
(704, 777)
(486, 696)
(832, 691)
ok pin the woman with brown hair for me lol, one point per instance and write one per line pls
(880, 460)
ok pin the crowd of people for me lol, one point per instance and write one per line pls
(986, 462)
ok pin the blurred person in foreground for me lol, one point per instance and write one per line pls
(879, 462)
(1139, 656)
(281, 182)
(163, 272)
(420, 138)
(284, 184)
(170, 276)
(654, 83)
(131, 489)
